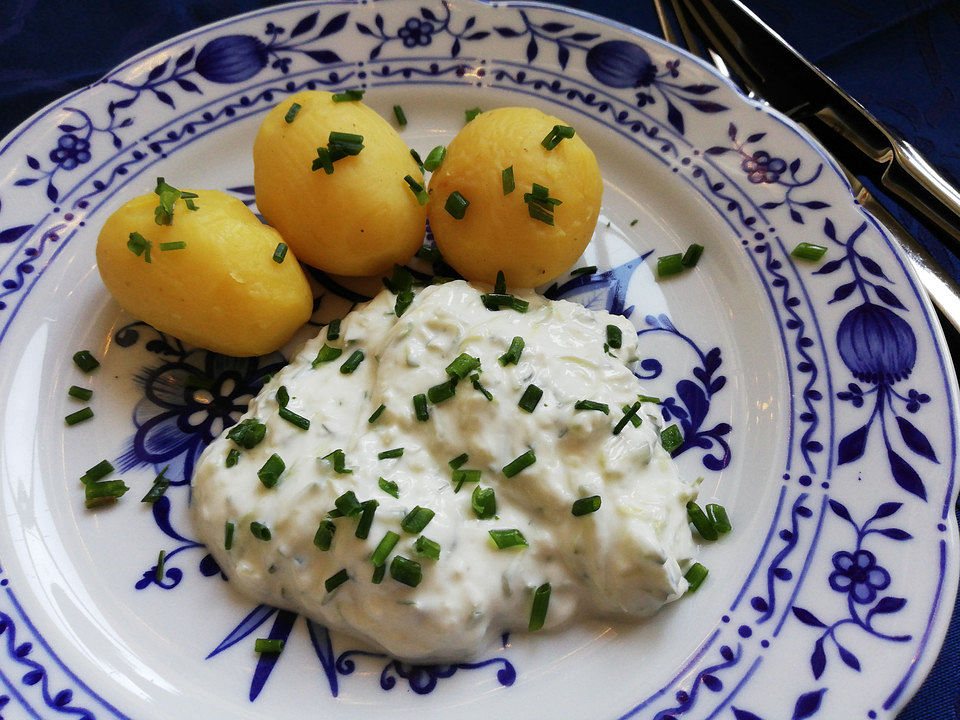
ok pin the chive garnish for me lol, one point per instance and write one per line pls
(139, 245)
(695, 576)
(188, 200)
(160, 485)
(507, 181)
(406, 571)
(176, 245)
(336, 580)
(435, 158)
(85, 361)
(333, 329)
(692, 256)
(97, 472)
(378, 573)
(339, 462)
(500, 286)
(497, 301)
(351, 143)
(538, 613)
(462, 366)
(80, 393)
(520, 463)
(539, 213)
(279, 254)
(366, 518)
(471, 114)
(668, 265)
(504, 539)
(416, 520)
(649, 399)
(260, 531)
(484, 503)
(248, 433)
(558, 133)
(348, 96)
(294, 419)
(585, 506)
(324, 535)
(161, 557)
(233, 457)
(588, 270)
(614, 337)
(444, 391)
(808, 251)
(456, 205)
(512, 355)
(352, 362)
(323, 160)
(459, 477)
(427, 547)
(379, 556)
(282, 396)
(101, 493)
(163, 213)
(531, 396)
(387, 454)
(326, 354)
(399, 115)
(376, 414)
(671, 438)
(420, 407)
(268, 645)
(404, 300)
(718, 517)
(628, 415)
(459, 461)
(592, 405)
(701, 522)
(635, 420)
(292, 113)
(419, 192)
(228, 529)
(475, 381)
(389, 487)
(348, 505)
(79, 416)
(271, 470)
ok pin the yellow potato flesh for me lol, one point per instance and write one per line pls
(497, 232)
(361, 219)
(223, 291)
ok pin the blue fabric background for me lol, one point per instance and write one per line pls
(900, 58)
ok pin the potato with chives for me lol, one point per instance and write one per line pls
(518, 191)
(331, 179)
(209, 277)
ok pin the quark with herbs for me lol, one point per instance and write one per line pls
(432, 471)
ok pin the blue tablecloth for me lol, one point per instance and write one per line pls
(899, 57)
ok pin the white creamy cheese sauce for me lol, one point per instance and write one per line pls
(623, 561)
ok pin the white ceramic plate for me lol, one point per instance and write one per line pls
(817, 399)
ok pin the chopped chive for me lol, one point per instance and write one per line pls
(429, 253)
(471, 114)
(422, 197)
(614, 337)
(406, 571)
(348, 96)
(232, 458)
(585, 506)
(592, 405)
(628, 415)
(333, 329)
(379, 556)
(248, 433)
(456, 205)
(389, 487)
(444, 391)
(163, 213)
(399, 115)
(292, 113)
(808, 251)
(520, 463)
(323, 160)
(387, 454)
(420, 407)
(161, 557)
(260, 531)
(336, 580)
(417, 159)
(101, 493)
(718, 518)
(671, 438)
(84, 394)
(348, 504)
(538, 612)
(500, 286)
(160, 485)
(404, 300)
(435, 158)
(326, 354)
(530, 398)
(462, 366)
(85, 361)
(695, 576)
(176, 245)
(376, 414)
(484, 503)
(427, 547)
(268, 645)
(282, 396)
(538, 213)
(588, 270)
(635, 420)
(497, 301)
(271, 470)
(228, 530)
(475, 381)
(279, 254)
(79, 416)
(459, 477)
(352, 362)
(668, 265)
(366, 518)
(378, 573)
(649, 399)
(138, 244)
(507, 181)
(324, 535)
(345, 138)
(459, 461)
(296, 420)
(701, 522)
(339, 462)
(416, 520)
(634, 222)
(508, 538)
(692, 256)
(512, 355)
(97, 472)
(559, 132)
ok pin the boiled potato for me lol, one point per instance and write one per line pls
(223, 291)
(497, 232)
(361, 219)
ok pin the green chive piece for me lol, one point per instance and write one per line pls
(387, 454)
(520, 463)
(538, 612)
(472, 113)
(628, 415)
(399, 115)
(404, 300)
(695, 576)
(323, 160)
(177, 245)
(420, 407)
(531, 396)
(366, 518)
(348, 96)
(435, 158)
(389, 487)
(79, 416)
(588, 270)
(339, 462)
(345, 138)
(336, 580)
(444, 391)
(406, 571)
(538, 213)
(161, 557)
(269, 474)
(283, 397)
(233, 457)
(97, 472)
(459, 461)
(418, 190)
(292, 113)
(352, 362)
(427, 547)
(592, 405)
(701, 522)
(333, 330)
(326, 354)
(462, 366)
(379, 556)
(559, 132)
(188, 200)
(416, 520)
(348, 505)
(138, 245)
(163, 213)
(294, 419)
(85, 361)
(378, 573)
(484, 503)
(475, 381)
(718, 518)
(649, 399)
(84, 394)
(500, 286)
(376, 414)
(228, 530)
(692, 256)
(671, 438)
(268, 645)
(279, 254)
(248, 433)
(459, 477)
(635, 420)
(160, 485)
(260, 531)
(417, 159)
(668, 265)
(585, 506)
(497, 301)
(101, 493)
(456, 205)
(634, 221)
(614, 337)
(504, 539)
(809, 251)
(324, 535)
(507, 181)
(512, 355)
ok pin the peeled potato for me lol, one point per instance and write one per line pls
(223, 291)
(361, 219)
(497, 232)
